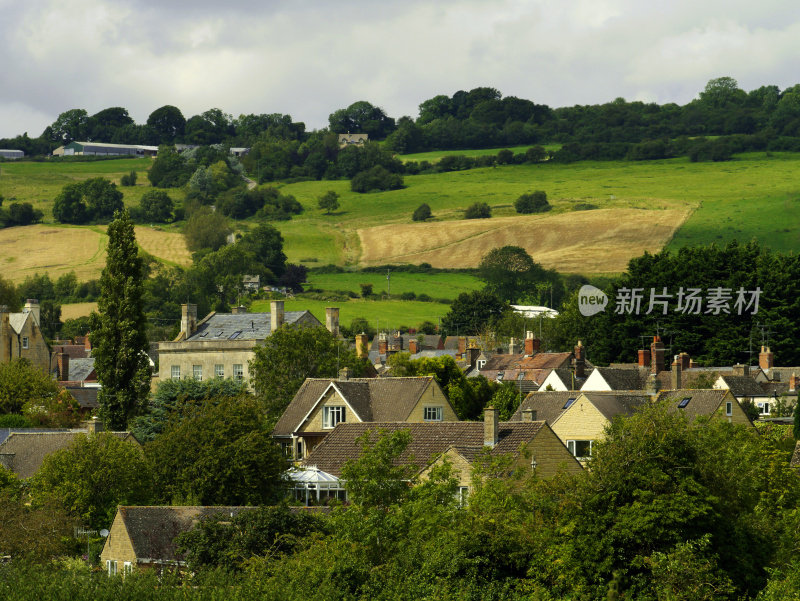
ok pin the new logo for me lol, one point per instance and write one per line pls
(591, 300)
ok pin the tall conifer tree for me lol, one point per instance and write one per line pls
(118, 336)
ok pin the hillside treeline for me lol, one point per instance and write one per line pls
(764, 118)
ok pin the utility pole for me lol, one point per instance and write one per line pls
(388, 283)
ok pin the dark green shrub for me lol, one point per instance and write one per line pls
(532, 202)
(129, 179)
(376, 179)
(478, 210)
(422, 212)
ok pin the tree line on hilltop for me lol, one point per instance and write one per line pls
(763, 118)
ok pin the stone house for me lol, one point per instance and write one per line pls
(222, 344)
(21, 337)
(322, 403)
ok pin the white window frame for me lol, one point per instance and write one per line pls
(25, 342)
(432, 413)
(728, 408)
(462, 495)
(763, 407)
(238, 372)
(572, 446)
(197, 372)
(111, 567)
(175, 372)
(332, 415)
(127, 567)
(219, 370)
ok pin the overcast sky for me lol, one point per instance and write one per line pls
(309, 58)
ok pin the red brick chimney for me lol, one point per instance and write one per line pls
(765, 358)
(580, 360)
(462, 345)
(657, 355)
(413, 346)
(644, 358)
(62, 366)
(383, 344)
(532, 344)
(793, 382)
(87, 343)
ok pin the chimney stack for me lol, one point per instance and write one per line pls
(362, 345)
(528, 415)
(657, 355)
(93, 426)
(644, 358)
(344, 373)
(765, 358)
(32, 307)
(473, 353)
(513, 349)
(490, 426)
(685, 360)
(383, 343)
(793, 382)
(532, 344)
(652, 385)
(62, 366)
(675, 376)
(240, 310)
(462, 345)
(413, 346)
(188, 321)
(580, 360)
(741, 370)
(332, 320)
(275, 315)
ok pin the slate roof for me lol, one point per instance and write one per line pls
(623, 379)
(548, 404)
(241, 326)
(612, 404)
(783, 374)
(429, 341)
(81, 369)
(796, 456)
(86, 397)
(152, 529)
(428, 440)
(30, 448)
(701, 402)
(373, 399)
(743, 386)
(547, 361)
(502, 362)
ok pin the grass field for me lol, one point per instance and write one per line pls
(435, 155)
(381, 314)
(672, 202)
(437, 285)
(75, 310)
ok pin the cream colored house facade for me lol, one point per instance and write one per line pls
(223, 344)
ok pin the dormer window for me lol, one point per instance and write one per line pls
(480, 363)
(333, 415)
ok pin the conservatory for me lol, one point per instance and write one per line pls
(312, 486)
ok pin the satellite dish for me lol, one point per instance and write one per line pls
(104, 533)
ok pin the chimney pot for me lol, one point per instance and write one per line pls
(188, 320)
(332, 320)
(657, 364)
(765, 358)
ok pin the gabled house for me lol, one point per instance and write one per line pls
(545, 405)
(222, 344)
(144, 537)
(21, 337)
(607, 379)
(584, 420)
(745, 388)
(349, 139)
(23, 451)
(532, 446)
(717, 404)
(321, 404)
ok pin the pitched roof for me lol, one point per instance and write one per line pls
(86, 397)
(80, 369)
(701, 402)
(17, 321)
(28, 449)
(152, 529)
(743, 386)
(428, 440)
(612, 404)
(75, 351)
(373, 399)
(565, 374)
(546, 361)
(429, 341)
(548, 404)
(241, 326)
(621, 378)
